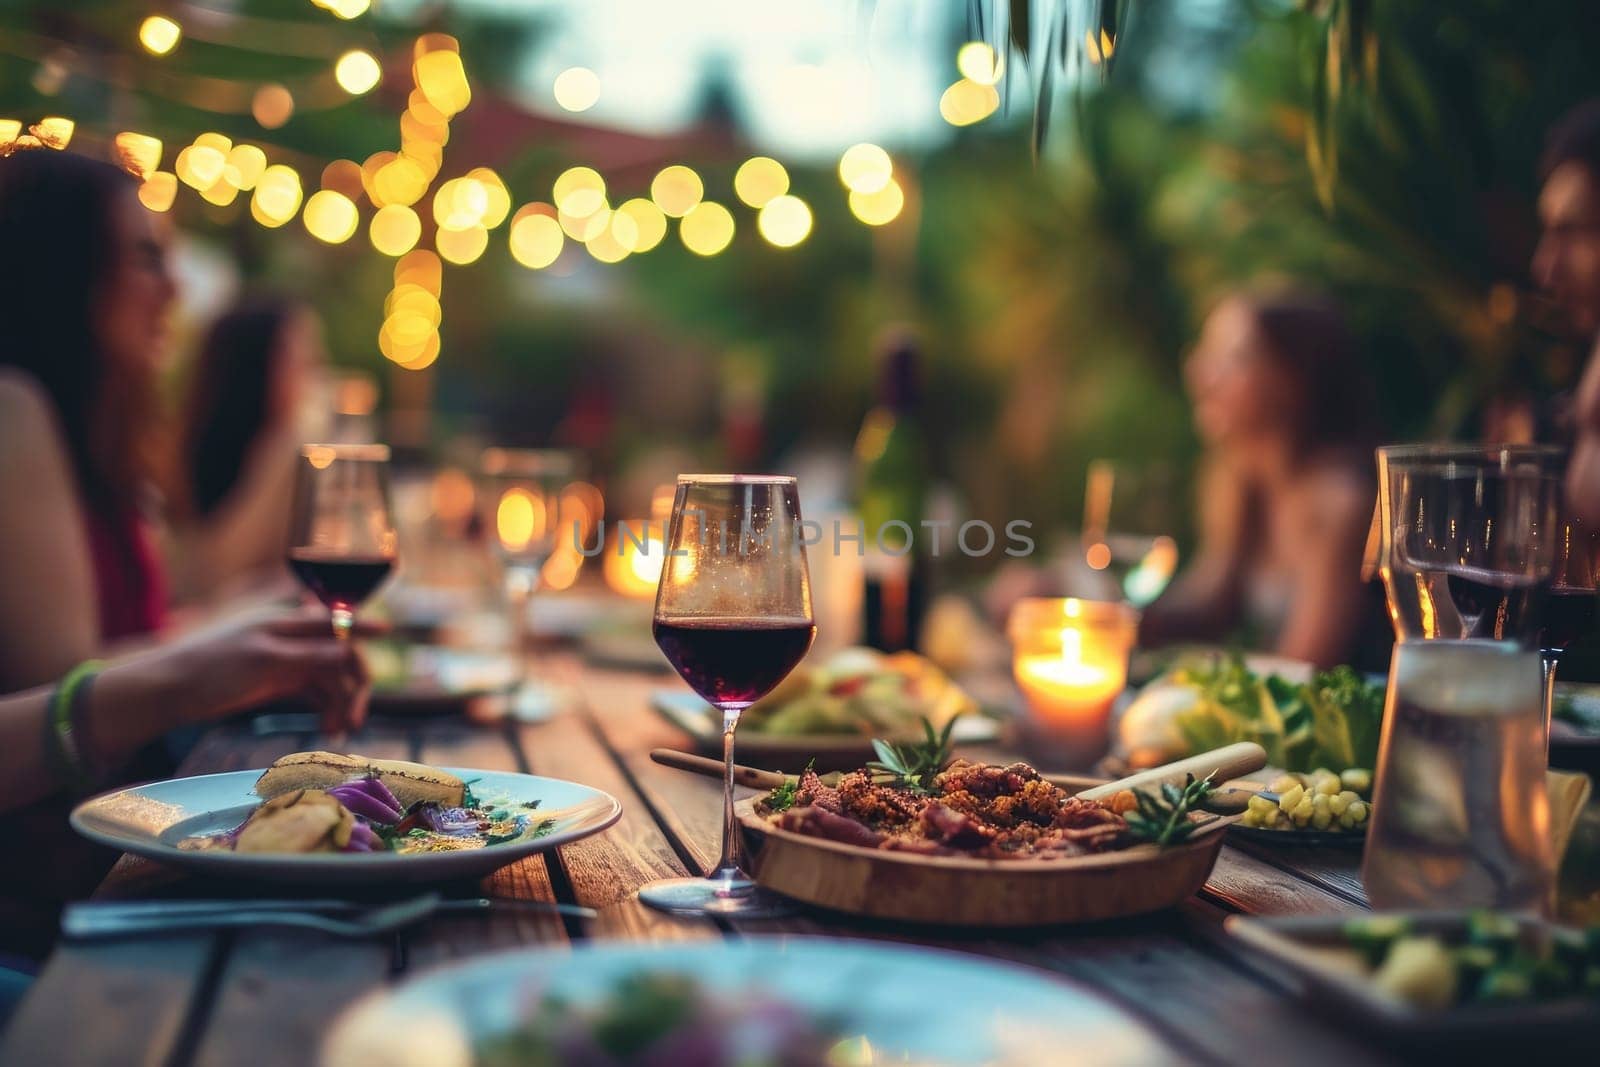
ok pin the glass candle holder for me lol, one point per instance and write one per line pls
(1070, 658)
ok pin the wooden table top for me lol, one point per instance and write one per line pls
(266, 997)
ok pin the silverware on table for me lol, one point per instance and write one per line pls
(340, 918)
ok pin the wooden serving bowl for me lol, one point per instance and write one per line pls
(956, 891)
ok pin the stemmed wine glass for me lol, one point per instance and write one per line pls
(733, 616)
(1127, 529)
(1570, 608)
(522, 511)
(342, 542)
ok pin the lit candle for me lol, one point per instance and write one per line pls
(1071, 662)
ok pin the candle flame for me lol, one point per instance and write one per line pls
(519, 519)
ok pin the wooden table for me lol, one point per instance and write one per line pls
(266, 997)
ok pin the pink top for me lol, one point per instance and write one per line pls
(128, 577)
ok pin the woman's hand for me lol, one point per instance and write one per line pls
(281, 656)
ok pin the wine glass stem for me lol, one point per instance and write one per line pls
(728, 863)
(520, 584)
(1549, 663)
(344, 620)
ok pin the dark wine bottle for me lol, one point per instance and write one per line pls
(891, 494)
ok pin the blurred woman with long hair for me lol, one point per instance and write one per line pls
(1287, 413)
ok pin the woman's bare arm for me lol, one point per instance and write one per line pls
(247, 531)
(49, 613)
(1204, 600)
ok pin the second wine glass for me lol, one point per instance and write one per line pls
(733, 616)
(342, 543)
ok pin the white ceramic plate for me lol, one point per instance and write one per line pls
(914, 1005)
(149, 820)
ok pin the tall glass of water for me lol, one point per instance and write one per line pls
(1460, 814)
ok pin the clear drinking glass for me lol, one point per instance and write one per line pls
(1127, 530)
(1460, 813)
(521, 501)
(342, 542)
(733, 616)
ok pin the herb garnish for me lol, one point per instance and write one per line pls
(1163, 819)
(913, 765)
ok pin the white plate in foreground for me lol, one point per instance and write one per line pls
(149, 820)
(913, 1005)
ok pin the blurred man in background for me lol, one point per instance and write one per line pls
(1567, 266)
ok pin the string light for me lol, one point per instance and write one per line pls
(220, 193)
(272, 106)
(395, 229)
(865, 168)
(221, 142)
(498, 198)
(759, 180)
(587, 227)
(978, 62)
(159, 35)
(461, 246)
(785, 221)
(345, 9)
(199, 166)
(579, 192)
(344, 176)
(138, 152)
(277, 196)
(879, 208)
(967, 102)
(54, 131)
(605, 246)
(399, 181)
(650, 223)
(443, 80)
(159, 190)
(357, 72)
(676, 190)
(244, 167)
(577, 89)
(420, 267)
(536, 239)
(330, 217)
(460, 204)
(10, 130)
(707, 229)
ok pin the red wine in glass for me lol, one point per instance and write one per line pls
(732, 663)
(342, 582)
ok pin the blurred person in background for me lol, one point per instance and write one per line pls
(1566, 266)
(243, 421)
(1287, 416)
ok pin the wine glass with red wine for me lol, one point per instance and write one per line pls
(733, 617)
(1570, 609)
(342, 544)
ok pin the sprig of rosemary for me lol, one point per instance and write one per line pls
(913, 765)
(1163, 818)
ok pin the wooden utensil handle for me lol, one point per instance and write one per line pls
(742, 775)
(1230, 761)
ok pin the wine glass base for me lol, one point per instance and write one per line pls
(737, 898)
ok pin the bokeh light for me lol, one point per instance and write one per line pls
(536, 239)
(244, 167)
(461, 246)
(395, 229)
(707, 229)
(577, 89)
(345, 9)
(54, 131)
(159, 35)
(967, 102)
(584, 227)
(759, 180)
(277, 196)
(221, 193)
(330, 216)
(272, 106)
(498, 198)
(138, 153)
(443, 80)
(199, 166)
(650, 223)
(159, 190)
(785, 221)
(879, 208)
(344, 176)
(865, 168)
(420, 267)
(357, 72)
(676, 190)
(460, 204)
(579, 192)
(10, 130)
(399, 181)
(978, 62)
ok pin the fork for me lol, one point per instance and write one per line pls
(89, 923)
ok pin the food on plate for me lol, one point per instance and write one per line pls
(1321, 800)
(915, 799)
(667, 1018)
(326, 802)
(859, 691)
(410, 783)
(1331, 721)
(1496, 958)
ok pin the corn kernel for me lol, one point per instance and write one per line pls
(1302, 811)
(1339, 801)
(1357, 812)
(1250, 818)
(1291, 797)
(1357, 779)
(1284, 784)
(1321, 818)
(1327, 784)
(1259, 804)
